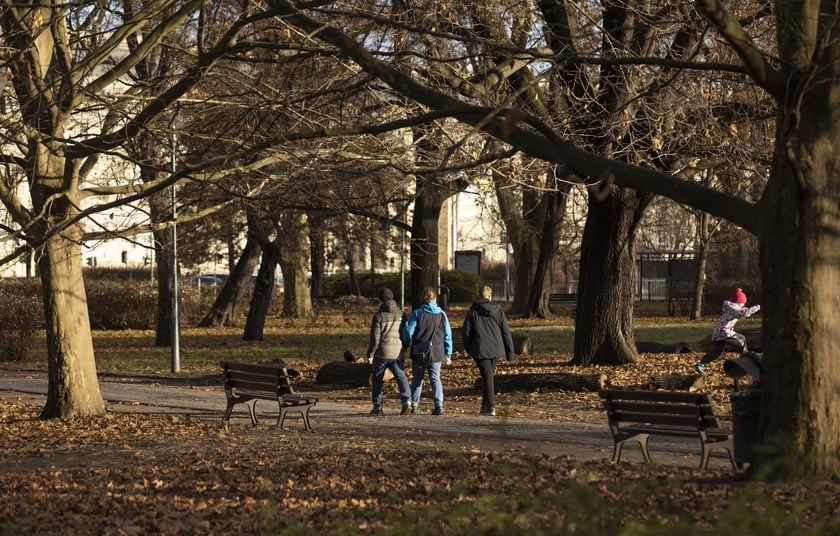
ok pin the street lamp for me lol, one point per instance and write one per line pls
(176, 291)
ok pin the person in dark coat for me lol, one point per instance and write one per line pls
(428, 323)
(385, 352)
(487, 338)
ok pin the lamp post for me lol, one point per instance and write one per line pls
(176, 291)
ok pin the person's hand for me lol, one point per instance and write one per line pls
(370, 361)
(448, 360)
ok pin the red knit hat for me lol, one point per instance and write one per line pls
(738, 297)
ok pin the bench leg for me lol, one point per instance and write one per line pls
(304, 412)
(726, 445)
(641, 439)
(252, 410)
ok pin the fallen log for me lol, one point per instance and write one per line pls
(506, 383)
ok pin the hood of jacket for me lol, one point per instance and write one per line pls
(484, 307)
(431, 307)
(390, 306)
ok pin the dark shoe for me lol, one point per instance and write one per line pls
(488, 410)
(406, 409)
(700, 368)
(437, 411)
(376, 411)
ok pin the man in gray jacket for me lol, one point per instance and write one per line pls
(487, 338)
(385, 351)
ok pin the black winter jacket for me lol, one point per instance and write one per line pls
(486, 331)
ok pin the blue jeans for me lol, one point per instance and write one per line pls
(396, 366)
(417, 373)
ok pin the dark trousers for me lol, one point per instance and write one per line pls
(487, 368)
(735, 340)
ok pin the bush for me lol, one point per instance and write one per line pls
(463, 286)
(21, 316)
(121, 303)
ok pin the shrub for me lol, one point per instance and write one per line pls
(463, 286)
(21, 316)
(121, 303)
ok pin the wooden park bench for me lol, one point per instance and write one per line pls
(634, 416)
(247, 382)
(561, 298)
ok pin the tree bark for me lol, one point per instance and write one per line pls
(263, 290)
(225, 308)
(294, 259)
(425, 236)
(801, 211)
(317, 247)
(73, 387)
(604, 317)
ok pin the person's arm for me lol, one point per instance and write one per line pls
(375, 335)
(467, 331)
(408, 327)
(447, 335)
(507, 336)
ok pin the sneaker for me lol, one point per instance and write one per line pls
(700, 368)
(406, 409)
(437, 411)
(376, 411)
(487, 410)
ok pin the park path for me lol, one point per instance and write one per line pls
(583, 441)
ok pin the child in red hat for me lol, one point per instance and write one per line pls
(734, 309)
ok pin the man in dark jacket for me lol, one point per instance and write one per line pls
(487, 338)
(385, 351)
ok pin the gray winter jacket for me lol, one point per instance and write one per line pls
(385, 340)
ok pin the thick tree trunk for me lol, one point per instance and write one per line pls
(425, 265)
(73, 389)
(294, 258)
(604, 319)
(225, 308)
(800, 415)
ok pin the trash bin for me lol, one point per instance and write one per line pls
(443, 298)
(746, 406)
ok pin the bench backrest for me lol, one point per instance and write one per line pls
(660, 407)
(257, 377)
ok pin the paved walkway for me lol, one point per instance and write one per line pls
(583, 441)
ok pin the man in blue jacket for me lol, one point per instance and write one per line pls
(428, 323)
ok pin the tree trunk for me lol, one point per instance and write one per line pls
(225, 308)
(800, 415)
(540, 287)
(702, 261)
(317, 247)
(73, 389)
(294, 256)
(263, 290)
(425, 236)
(604, 318)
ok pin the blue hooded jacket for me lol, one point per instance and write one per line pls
(429, 323)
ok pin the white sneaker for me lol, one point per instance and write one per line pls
(700, 368)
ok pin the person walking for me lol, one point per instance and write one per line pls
(428, 324)
(385, 351)
(724, 332)
(487, 338)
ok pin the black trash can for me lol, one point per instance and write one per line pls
(443, 298)
(746, 406)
